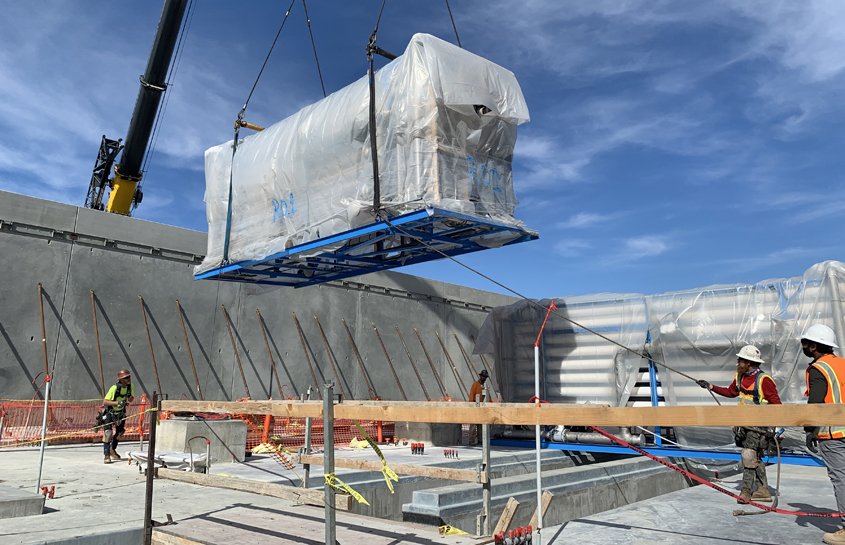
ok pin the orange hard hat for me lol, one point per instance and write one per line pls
(123, 373)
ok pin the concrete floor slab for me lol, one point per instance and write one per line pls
(703, 516)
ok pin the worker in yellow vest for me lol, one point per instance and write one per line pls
(825, 376)
(753, 387)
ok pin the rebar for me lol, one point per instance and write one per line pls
(97, 341)
(188, 346)
(458, 379)
(304, 342)
(390, 363)
(431, 363)
(275, 371)
(370, 388)
(235, 349)
(413, 363)
(333, 360)
(150, 342)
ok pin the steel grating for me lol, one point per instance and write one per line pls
(415, 237)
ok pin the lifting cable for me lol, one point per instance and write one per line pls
(238, 131)
(453, 24)
(171, 75)
(314, 47)
(705, 482)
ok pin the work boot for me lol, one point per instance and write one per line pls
(761, 494)
(835, 538)
(746, 495)
(107, 460)
(114, 455)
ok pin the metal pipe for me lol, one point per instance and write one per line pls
(487, 486)
(332, 359)
(43, 327)
(458, 378)
(148, 491)
(390, 363)
(563, 435)
(190, 352)
(431, 363)
(235, 349)
(370, 388)
(308, 426)
(537, 465)
(150, 341)
(97, 339)
(273, 369)
(304, 342)
(328, 460)
(43, 433)
(413, 363)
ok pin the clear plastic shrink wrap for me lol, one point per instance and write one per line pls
(446, 128)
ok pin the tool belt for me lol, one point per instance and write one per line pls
(757, 438)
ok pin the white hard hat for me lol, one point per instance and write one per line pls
(820, 333)
(751, 353)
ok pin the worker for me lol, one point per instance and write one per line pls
(118, 396)
(753, 387)
(476, 391)
(825, 376)
(476, 394)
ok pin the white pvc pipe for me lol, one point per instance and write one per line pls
(43, 435)
(537, 444)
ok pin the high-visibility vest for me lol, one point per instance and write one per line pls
(833, 369)
(754, 396)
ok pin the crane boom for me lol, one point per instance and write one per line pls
(127, 174)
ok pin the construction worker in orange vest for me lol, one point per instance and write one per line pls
(825, 376)
(476, 394)
(753, 387)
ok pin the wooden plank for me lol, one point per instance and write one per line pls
(451, 474)
(528, 414)
(307, 496)
(507, 516)
(547, 500)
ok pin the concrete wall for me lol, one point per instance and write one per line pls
(73, 252)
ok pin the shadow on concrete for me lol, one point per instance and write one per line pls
(205, 357)
(281, 360)
(823, 524)
(680, 535)
(63, 329)
(170, 353)
(6, 374)
(129, 363)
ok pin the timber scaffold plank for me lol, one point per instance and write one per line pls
(528, 414)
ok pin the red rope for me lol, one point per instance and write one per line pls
(705, 482)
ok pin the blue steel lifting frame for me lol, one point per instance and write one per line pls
(415, 237)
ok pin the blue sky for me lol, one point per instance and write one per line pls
(671, 145)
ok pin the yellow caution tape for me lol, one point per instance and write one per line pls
(390, 476)
(451, 531)
(337, 484)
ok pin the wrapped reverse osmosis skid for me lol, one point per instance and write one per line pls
(446, 123)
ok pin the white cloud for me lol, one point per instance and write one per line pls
(583, 219)
(571, 247)
(644, 246)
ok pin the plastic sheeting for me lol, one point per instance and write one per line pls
(446, 128)
(697, 332)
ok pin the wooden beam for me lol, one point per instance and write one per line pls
(507, 516)
(303, 495)
(451, 474)
(547, 500)
(528, 414)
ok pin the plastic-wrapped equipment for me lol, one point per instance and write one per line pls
(446, 128)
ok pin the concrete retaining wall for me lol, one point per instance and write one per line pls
(73, 252)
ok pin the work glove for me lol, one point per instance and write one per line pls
(812, 443)
(703, 383)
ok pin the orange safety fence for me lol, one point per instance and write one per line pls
(67, 421)
(290, 432)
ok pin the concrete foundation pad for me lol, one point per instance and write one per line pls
(440, 435)
(228, 438)
(19, 503)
